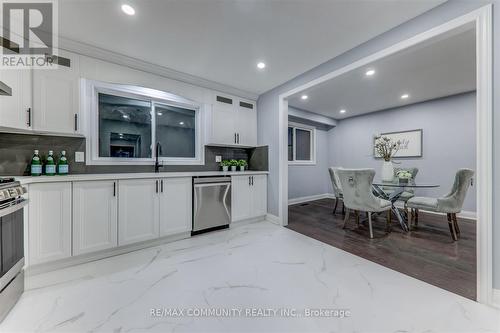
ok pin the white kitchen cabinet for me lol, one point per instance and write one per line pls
(248, 197)
(138, 213)
(56, 97)
(95, 216)
(15, 110)
(232, 122)
(175, 202)
(49, 226)
(247, 123)
(259, 195)
(240, 197)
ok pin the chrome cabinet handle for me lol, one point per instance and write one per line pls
(156, 186)
(161, 185)
(76, 122)
(238, 136)
(249, 181)
(114, 189)
(28, 122)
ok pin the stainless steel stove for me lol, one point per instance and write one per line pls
(11, 243)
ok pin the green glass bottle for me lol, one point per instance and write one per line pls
(50, 165)
(62, 165)
(36, 164)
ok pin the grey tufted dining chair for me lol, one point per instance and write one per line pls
(451, 204)
(337, 188)
(358, 196)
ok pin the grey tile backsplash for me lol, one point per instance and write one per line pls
(16, 151)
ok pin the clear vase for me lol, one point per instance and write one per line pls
(387, 171)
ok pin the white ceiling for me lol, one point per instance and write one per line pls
(437, 68)
(222, 40)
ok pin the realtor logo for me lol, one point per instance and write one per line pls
(29, 33)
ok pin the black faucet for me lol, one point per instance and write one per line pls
(157, 153)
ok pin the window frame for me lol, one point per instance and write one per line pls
(312, 131)
(90, 103)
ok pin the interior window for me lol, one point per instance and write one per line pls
(175, 131)
(301, 145)
(124, 127)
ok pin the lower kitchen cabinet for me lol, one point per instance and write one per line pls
(138, 213)
(248, 197)
(175, 201)
(49, 230)
(95, 216)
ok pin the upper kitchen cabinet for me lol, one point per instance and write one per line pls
(16, 109)
(247, 123)
(232, 122)
(56, 96)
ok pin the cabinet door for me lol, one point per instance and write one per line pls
(14, 109)
(175, 205)
(138, 210)
(56, 98)
(240, 198)
(259, 195)
(95, 216)
(223, 121)
(49, 222)
(247, 123)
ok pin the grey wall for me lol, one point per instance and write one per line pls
(267, 105)
(449, 139)
(306, 180)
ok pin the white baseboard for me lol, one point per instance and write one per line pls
(273, 219)
(310, 198)
(465, 214)
(496, 298)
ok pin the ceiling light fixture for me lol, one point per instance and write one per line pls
(159, 113)
(342, 111)
(304, 97)
(261, 65)
(370, 72)
(129, 10)
(405, 96)
(181, 123)
(125, 116)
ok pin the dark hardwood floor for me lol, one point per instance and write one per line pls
(427, 253)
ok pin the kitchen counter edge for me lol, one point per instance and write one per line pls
(26, 180)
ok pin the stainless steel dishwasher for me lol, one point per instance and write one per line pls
(211, 203)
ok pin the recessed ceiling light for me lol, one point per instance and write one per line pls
(370, 72)
(261, 65)
(181, 123)
(304, 97)
(342, 111)
(405, 96)
(125, 116)
(127, 9)
(159, 113)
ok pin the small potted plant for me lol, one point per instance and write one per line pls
(234, 164)
(225, 164)
(404, 176)
(242, 164)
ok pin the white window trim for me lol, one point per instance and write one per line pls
(312, 130)
(90, 104)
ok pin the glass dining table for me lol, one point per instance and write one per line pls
(392, 191)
